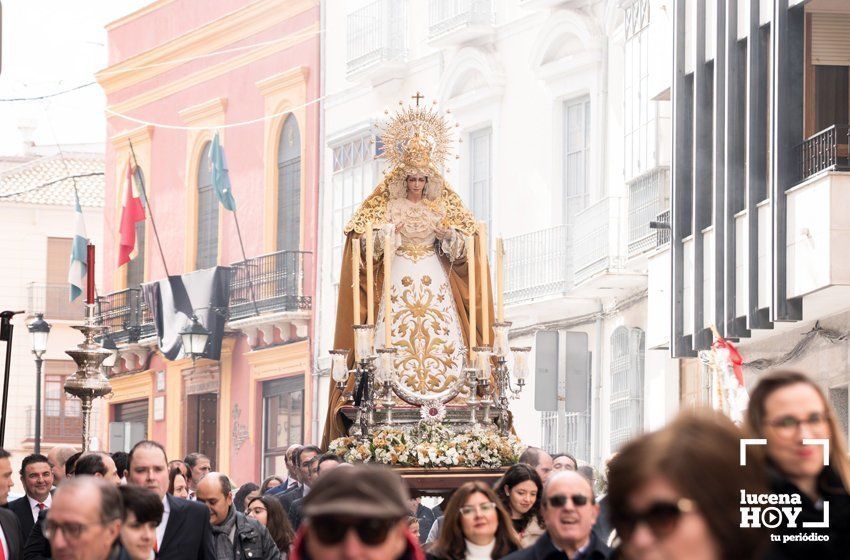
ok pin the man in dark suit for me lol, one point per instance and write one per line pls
(184, 532)
(37, 478)
(10, 528)
(304, 456)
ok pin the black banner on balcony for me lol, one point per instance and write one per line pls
(206, 293)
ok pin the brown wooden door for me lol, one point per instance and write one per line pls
(208, 425)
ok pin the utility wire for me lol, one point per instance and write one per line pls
(48, 95)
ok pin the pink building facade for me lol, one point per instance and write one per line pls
(180, 71)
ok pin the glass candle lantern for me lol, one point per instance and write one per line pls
(386, 365)
(364, 337)
(339, 365)
(500, 338)
(520, 369)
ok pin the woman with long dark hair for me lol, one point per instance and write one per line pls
(268, 511)
(475, 527)
(788, 409)
(520, 491)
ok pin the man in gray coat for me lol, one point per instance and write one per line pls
(235, 536)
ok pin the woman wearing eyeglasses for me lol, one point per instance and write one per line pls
(269, 512)
(675, 494)
(787, 409)
(475, 527)
(520, 490)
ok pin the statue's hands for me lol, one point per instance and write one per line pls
(442, 233)
(398, 227)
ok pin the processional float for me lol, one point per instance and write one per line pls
(423, 379)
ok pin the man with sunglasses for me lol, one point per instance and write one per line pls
(356, 513)
(569, 510)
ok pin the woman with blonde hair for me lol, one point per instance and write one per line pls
(791, 412)
(475, 527)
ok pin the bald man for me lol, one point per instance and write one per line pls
(57, 458)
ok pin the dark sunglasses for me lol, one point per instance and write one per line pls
(661, 518)
(332, 530)
(560, 500)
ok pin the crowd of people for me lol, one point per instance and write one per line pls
(676, 493)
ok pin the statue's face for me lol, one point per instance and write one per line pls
(416, 183)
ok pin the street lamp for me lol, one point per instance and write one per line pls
(40, 329)
(194, 338)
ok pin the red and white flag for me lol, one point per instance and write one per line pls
(132, 212)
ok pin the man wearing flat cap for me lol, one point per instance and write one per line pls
(357, 513)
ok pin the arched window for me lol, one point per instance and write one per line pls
(136, 267)
(207, 249)
(627, 366)
(289, 187)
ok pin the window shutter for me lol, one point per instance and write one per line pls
(830, 39)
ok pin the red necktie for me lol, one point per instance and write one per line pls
(2, 553)
(41, 506)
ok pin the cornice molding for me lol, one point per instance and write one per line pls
(208, 110)
(226, 30)
(283, 81)
(180, 84)
(137, 135)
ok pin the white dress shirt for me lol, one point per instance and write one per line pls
(34, 506)
(160, 529)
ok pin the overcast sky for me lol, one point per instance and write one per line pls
(48, 46)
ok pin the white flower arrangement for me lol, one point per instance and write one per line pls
(432, 445)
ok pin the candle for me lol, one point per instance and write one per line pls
(90, 274)
(389, 249)
(355, 279)
(485, 285)
(500, 280)
(470, 261)
(370, 276)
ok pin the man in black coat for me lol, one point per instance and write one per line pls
(10, 528)
(304, 458)
(37, 478)
(184, 532)
(569, 510)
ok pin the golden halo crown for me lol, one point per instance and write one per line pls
(417, 137)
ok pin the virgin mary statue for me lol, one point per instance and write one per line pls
(421, 223)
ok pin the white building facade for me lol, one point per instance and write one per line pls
(563, 111)
(760, 191)
(37, 211)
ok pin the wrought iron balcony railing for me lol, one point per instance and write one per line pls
(445, 16)
(539, 264)
(662, 235)
(648, 196)
(826, 150)
(275, 282)
(54, 301)
(595, 250)
(376, 34)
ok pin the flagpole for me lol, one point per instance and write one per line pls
(150, 211)
(245, 260)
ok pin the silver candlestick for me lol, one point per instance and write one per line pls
(89, 381)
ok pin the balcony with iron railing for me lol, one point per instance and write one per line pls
(538, 265)
(648, 196)
(457, 21)
(54, 301)
(828, 150)
(267, 284)
(376, 37)
(595, 239)
(663, 228)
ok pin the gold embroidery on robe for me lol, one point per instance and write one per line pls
(421, 333)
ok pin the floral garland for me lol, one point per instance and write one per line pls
(431, 445)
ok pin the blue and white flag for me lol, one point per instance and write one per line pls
(221, 176)
(79, 267)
